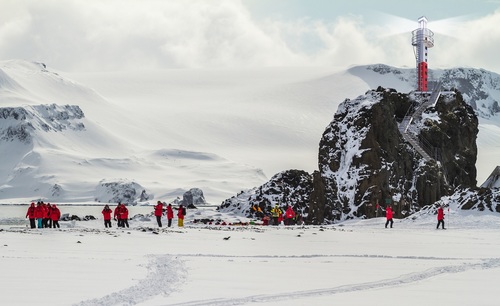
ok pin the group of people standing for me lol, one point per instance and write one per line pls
(159, 211)
(120, 214)
(278, 216)
(43, 215)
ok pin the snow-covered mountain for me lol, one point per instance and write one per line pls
(58, 143)
(165, 132)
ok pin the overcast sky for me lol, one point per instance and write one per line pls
(101, 35)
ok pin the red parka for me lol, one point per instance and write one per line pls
(388, 213)
(39, 212)
(124, 212)
(117, 214)
(170, 212)
(290, 214)
(106, 212)
(180, 213)
(45, 211)
(159, 209)
(440, 213)
(31, 211)
(55, 213)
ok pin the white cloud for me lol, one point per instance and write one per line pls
(131, 34)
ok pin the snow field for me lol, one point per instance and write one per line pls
(353, 263)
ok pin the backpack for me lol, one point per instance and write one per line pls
(184, 211)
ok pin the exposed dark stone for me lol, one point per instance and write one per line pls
(193, 197)
(364, 161)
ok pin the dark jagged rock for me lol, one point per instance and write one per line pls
(144, 196)
(193, 197)
(291, 187)
(363, 159)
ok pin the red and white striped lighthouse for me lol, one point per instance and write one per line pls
(422, 39)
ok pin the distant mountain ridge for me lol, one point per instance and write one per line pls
(479, 87)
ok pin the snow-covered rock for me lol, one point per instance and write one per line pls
(291, 187)
(493, 181)
(120, 191)
(193, 197)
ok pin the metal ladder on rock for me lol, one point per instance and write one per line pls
(407, 120)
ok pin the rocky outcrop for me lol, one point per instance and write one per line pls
(291, 187)
(364, 161)
(480, 199)
(193, 197)
(123, 191)
(19, 123)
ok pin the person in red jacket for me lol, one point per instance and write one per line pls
(117, 214)
(159, 212)
(440, 217)
(124, 215)
(170, 214)
(106, 212)
(388, 216)
(180, 216)
(31, 215)
(55, 215)
(289, 215)
(39, 214)
(48, 219)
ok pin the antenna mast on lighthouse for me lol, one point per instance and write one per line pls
(422, 39)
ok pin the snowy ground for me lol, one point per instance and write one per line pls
(354, 263)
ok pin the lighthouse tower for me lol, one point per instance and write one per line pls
(422, 39)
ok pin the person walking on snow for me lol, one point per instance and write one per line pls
(388, 215)
(180, 216)
(31, 215)
(170, 214)
(440, 217)
(55, 215)
(159, 212)
(106, 213)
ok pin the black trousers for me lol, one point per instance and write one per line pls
(158, 219)
(55, 224)
(32, 223)
(124, 222)
(107, 223)
(389, 221)
(440, 222)
(169, 222)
